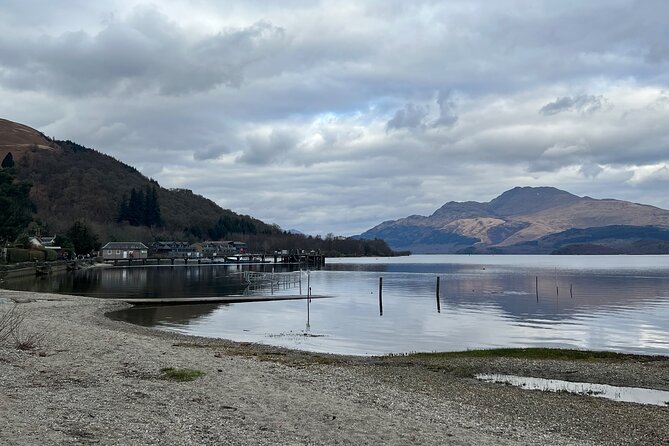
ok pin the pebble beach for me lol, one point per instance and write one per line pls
(92, 380)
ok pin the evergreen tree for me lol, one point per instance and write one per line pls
(8, 161)
(82, 238)
(123, 210)
(136, 208)
(151, 207)
(141, 209)
(15, 206)
(65, 243)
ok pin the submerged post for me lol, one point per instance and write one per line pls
(380, 296)
(438, 303)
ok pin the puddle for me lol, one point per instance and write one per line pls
(627, 394)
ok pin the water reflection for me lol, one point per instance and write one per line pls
(627, 394)
(150, 316)
(616, 303)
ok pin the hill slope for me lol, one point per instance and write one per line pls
(520, 220)
(70, 182)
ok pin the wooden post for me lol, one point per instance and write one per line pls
(557, 290)
(536, 286)
(571, 290)
(438, 303)
(380, 296)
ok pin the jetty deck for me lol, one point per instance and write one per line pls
(307, 260)
(217, 299)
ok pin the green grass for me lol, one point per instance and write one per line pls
(181, 375)
(531, 353)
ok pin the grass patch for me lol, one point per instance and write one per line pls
(535, 353)
(181, 375)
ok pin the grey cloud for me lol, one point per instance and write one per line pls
(267, 149)
(591, 170)
(447, 116)
(148, 51)
(209, 153)
(414, 116)
(409, 117)
(582, 104)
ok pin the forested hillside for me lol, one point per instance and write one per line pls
(69, 183)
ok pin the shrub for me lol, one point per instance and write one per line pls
(51, 255)
(15, 255)
(10, 321)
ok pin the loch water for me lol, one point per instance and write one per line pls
(614, 303)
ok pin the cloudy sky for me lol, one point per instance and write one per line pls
(333, 116)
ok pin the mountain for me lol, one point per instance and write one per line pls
(68, 182)
(71, 182)
(531, 220)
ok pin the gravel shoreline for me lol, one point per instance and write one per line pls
(92, 380)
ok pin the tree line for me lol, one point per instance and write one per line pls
(141, 208)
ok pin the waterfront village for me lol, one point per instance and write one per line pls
(45, 248)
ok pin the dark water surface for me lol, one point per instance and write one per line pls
(618, 303)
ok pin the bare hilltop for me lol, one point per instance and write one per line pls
(532, 220)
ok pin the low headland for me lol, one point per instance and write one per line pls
(70, 375)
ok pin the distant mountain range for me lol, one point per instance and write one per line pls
(532, 220)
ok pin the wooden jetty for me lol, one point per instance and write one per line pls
(217, 299)
(308, 260)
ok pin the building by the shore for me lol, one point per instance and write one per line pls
(124, 250)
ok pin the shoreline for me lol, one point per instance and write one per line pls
(94, 380)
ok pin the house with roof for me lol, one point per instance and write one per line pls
(221, 248)
(124, 250)
(174, 250)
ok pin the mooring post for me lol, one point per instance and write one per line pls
(571, 290)
(380, 296)
(438, 303)
(536, 286)
(557, 290)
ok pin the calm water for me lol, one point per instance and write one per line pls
(628, 394)
(618, 303)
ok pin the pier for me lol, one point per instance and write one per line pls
(308, 260)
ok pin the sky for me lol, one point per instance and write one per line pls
(333, 116)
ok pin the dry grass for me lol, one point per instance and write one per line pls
(12, 325)
(10, 322)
